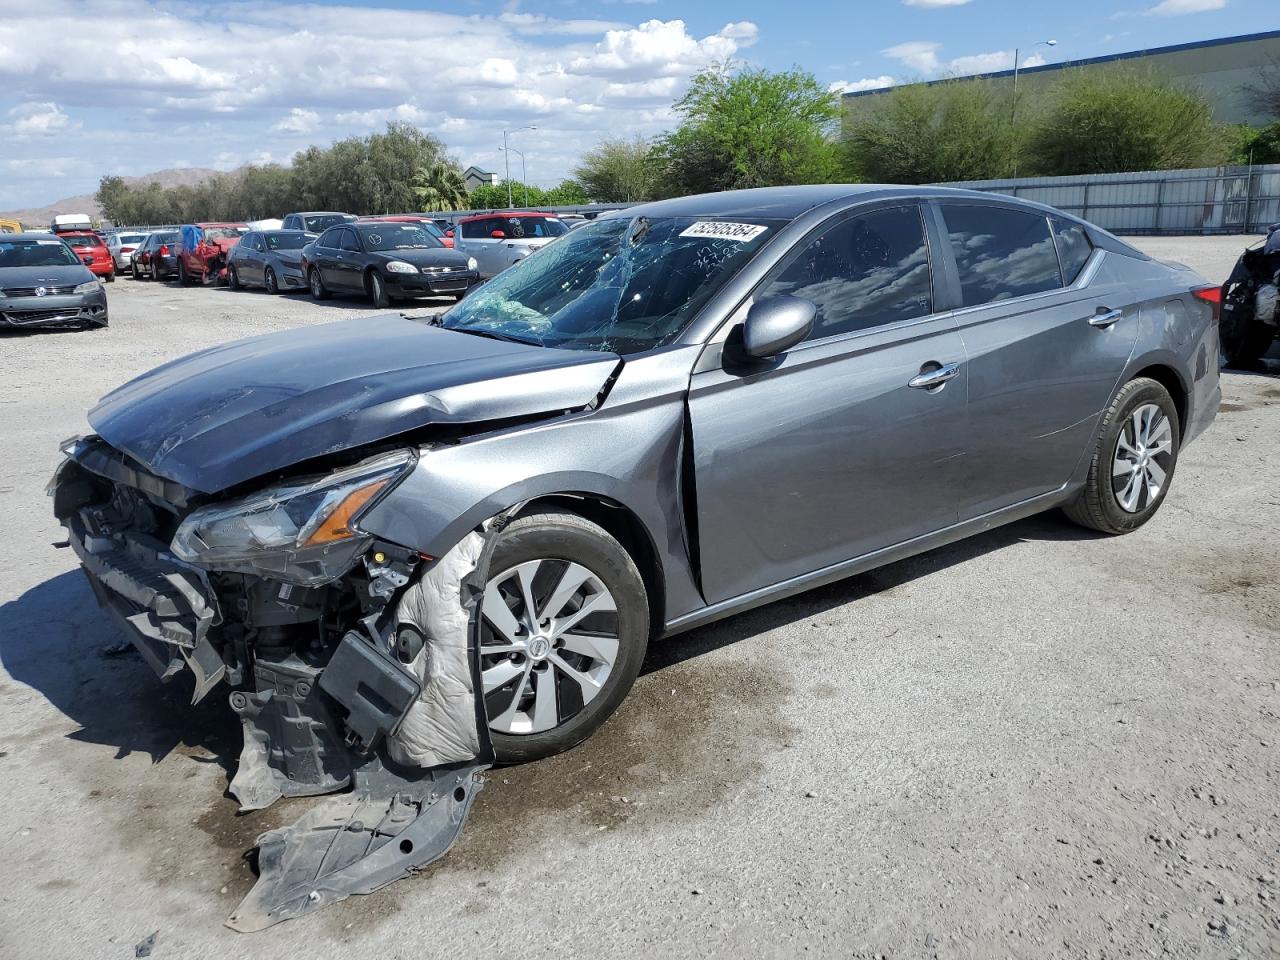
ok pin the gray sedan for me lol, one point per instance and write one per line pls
(432, 541)
(43, 283)
(270, 259)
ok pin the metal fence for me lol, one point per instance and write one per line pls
(1202, 201)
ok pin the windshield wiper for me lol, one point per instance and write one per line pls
(494, 335)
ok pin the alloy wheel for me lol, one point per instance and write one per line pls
(1140, 464)
(549, 641)
(269, 280)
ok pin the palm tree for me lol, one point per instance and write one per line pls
(439, 186)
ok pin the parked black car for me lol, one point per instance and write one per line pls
(1250, 316)
(386, 261)
(271, 259)
(315, 221)
(43, 283)
(157, 258)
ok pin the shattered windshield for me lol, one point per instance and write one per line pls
(622, 285)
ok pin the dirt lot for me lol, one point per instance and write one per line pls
(1036, 743)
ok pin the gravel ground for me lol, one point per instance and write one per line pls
(1035, 743)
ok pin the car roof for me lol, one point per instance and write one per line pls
(300, 233)
(77, 233)
(31, 235)
(318, 213)
(508, 214)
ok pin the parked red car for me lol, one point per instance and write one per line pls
(91, 249)
(202, 250)
(428, 224)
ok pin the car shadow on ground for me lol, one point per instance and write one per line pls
(56, 640)
(812, 603)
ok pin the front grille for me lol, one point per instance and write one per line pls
(49, 291)
(40, 316)
(444, 273)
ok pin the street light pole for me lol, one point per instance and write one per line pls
(1013, 105)
(524, 173)
(507, 158)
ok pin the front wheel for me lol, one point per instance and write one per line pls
(183, 279)
(564, 626)
(233, 279)
(269, 282)
(110, 277)
(378, 291)
(1132, 461)
(318, 289)
(137, 274)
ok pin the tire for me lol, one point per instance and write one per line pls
(183, 279)
(316, 283)
(1101, 505)
(377, 288)
(110, 277)
(233, 279)
(155, 271)
(269, 281)
(137, 274)
(547, 546)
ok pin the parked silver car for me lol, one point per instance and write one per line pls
(498, 240)
(412, 543)
(122, 246)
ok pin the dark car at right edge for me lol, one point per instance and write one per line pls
(410, 545)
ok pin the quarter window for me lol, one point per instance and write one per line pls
(1074, 248)
(863, 272)
(1001, 253)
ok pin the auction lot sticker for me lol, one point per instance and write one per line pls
(719, 230)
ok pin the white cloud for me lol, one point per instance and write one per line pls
(867, 83)
(918, 55)
(194, 89)
(38, 119)
(299, 121)
(935, 3)
(922, 57)
(664, 47)
(1177, 8)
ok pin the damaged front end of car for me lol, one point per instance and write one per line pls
(351, 660)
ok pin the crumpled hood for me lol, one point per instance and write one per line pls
(228, 414)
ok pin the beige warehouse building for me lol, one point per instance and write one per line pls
(1221, 69)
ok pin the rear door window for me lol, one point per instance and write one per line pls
(1001, 253)
(350, 241)
(866, 271)
(1074, 248)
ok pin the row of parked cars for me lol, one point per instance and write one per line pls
(385, 258)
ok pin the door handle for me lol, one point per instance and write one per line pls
(935, 376)
(1105, 318)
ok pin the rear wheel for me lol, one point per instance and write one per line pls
(110, 277)
(155, 271)
(564, 626)
(318, 289)
(269, 282)
(1133, 460)
(183, 279)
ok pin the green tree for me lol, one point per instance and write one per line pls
(1255, 145)
(1116, 121)
(439, 186)
(619, 171)
(933, 133)
(752, 128)
(566, 193)
(490, 196)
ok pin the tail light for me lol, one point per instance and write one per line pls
(1211, 296)
(164, 251)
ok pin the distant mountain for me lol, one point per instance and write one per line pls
(39, 217)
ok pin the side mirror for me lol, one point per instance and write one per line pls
(777, 324)
(498, 234)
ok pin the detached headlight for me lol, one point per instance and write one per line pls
(88, 286)
(472, 264)
(305, 533)
(399, 266)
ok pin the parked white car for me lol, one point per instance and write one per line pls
(122, 246)
(497, 240)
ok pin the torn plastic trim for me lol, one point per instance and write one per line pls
(397, 819)
(164, 607)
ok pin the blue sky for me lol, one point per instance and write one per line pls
(90, 87)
